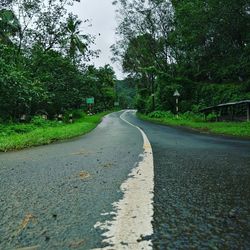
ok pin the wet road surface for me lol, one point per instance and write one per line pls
(202, 189)
(52, 196)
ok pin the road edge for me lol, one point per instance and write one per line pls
(196, 130)
(42, 141)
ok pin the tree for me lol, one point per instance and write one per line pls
(9, 26)
(101, 86)
(162, 41)
(126, 92)
(60, 78)
(211, 39)
(42, 61)
(144, 49)
(41, 22)
(18, 92)
(74, 40)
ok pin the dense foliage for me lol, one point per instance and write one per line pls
(44, 59)
(126, 93)
(201, 48)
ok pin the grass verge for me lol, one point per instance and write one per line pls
(239, 129)
(28, 135)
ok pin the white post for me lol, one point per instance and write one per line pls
(177, 107)
(176, 95)
(248, 112)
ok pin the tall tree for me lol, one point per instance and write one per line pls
(74, 39)
(211, 39)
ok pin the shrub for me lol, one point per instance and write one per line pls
(39, 121)
(15, 129)
(211, 117)
(160, 114)
(197, 107)
(189, 115)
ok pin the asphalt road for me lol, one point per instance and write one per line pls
(202, 189)
(52, 197)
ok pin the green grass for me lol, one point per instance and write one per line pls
(239, 129)
(19, 136)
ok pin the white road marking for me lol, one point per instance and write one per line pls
(133, 219)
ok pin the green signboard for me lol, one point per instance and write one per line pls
(90, 100)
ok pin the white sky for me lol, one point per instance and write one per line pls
(101, 14)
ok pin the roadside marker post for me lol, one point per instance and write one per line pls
(60, 118)
(248, 112)
(70, 118)
(177, 95)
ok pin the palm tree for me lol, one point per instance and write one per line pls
(9, 26)
(74, 38)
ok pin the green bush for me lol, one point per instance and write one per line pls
(189, 115)
(211, 117)
(77, 114)
(9, 129)
(160, 114)
(197, 107)
(39, 121)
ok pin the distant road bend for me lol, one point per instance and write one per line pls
(128, 184)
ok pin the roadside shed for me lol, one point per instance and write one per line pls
(238, 111)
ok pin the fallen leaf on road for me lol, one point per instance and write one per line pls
(84, 175)
(25, 222)
(76, 244)
(29, 248)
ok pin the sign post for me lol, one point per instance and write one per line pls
(90, 102)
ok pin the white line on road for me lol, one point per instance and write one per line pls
(133, 219)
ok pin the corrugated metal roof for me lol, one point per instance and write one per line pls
(226, 104)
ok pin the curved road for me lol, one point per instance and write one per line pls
(84, 193)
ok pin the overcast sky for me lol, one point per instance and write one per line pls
(101, 14)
